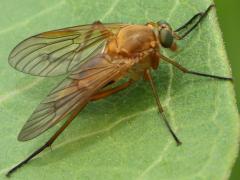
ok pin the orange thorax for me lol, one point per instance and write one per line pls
(132, 40)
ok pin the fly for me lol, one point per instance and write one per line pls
(94, 57)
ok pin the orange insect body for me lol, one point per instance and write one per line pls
(94, 57)
(136, 41)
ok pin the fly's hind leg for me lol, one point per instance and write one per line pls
(99, 25)
(108, 92)
(49, 142)
(97, 96)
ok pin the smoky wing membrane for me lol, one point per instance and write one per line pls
(75, 91)
(49, 111)
(59, 52)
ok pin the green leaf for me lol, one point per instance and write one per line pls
(123, 137)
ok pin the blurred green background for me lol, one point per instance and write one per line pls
(228, 14)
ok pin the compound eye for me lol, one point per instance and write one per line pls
(162, 22)
(166, 38)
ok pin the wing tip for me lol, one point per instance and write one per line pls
(23, 137)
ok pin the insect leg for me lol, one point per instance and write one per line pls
(191, 24)
(99, 25)
(48, 143)
(108, 92)
(185, 70)
(160, 109)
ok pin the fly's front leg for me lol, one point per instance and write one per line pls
(108, 92)
(185, 70)
(184, 30)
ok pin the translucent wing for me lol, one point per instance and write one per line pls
(73, 92)
(61, 51)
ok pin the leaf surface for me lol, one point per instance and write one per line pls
(123, 137)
